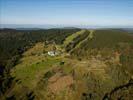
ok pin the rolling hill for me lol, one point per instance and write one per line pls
(90, 65)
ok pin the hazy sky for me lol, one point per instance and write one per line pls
(67, 12)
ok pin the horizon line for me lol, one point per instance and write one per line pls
(61, 25)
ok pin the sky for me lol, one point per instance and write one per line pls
(67, 12)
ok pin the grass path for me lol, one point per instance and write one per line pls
(90, 36)
(71, 37)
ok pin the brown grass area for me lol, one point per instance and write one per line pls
(37, 49)
(55, 77)
(61, 83)
(84, 68)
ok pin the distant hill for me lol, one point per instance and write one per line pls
(130, 30)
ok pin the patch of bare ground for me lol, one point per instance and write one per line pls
(58, 83)
(55, 78)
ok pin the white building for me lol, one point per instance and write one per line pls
(52, 53)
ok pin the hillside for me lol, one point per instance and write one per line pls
(17, 41)
(105, 39)
(89, 65)
(13, 43)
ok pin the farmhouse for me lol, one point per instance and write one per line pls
(52, 53)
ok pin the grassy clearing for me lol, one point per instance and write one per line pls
(91, 35)
(33, 65)
(29, 74)
(71, 37)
